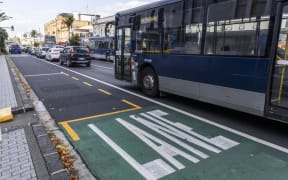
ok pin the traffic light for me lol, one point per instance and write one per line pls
(12, 28)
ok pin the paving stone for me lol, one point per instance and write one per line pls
(39, 130)
(53, 163)
(60, 176)
(45, 145)
(17, 159)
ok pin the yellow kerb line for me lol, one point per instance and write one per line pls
(74, 135)
(87, 84)
(75, 78)
(105, 92)
(70, 131)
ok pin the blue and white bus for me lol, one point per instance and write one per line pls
(231, 53)
(102, 47)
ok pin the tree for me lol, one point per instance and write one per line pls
(68, 22)
(33, 34)
(74, 40)
(3, 37)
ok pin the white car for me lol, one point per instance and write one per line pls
(53, 54)
(42, 52)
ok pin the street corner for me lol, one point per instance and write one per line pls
(6, 114)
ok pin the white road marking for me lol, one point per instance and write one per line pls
(159, 115)
(36, 75)
(258, 140)
(147, 138)
(173, 139)
(138, 167)
(102, 67)
(183, 135)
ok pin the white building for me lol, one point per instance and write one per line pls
(104, 26)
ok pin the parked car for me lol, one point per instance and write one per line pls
(15, 48)
(33, 50)
(75, 55)
(42, 52)
(53, 54)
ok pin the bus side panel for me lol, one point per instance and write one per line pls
(238, 83)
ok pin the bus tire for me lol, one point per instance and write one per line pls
(149, 82)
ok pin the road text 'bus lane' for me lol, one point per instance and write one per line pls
(155, 142)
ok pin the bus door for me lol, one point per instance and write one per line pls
(279, 87)
(123, 54)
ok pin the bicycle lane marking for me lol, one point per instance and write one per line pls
(171, 145)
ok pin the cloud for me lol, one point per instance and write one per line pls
(109, 10)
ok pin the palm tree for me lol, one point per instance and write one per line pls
(33, 34)
(3, 16)
(68, 22)
(3, 37)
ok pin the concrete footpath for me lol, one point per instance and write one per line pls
(26, 148)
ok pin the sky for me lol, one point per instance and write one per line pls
(32, 14)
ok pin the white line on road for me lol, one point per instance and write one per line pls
(35, 75)
(102, 66)
(258, 140)
(138, 167)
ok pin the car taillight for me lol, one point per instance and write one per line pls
(72, 52)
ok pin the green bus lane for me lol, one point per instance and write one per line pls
(158, 143)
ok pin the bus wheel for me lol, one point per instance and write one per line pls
(149, 82)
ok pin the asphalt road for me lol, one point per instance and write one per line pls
(272, 131)
(95, 109)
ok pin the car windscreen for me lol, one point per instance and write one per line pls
(81, 50)
(56, 50)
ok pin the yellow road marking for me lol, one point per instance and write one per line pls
(87, 84)
(66, 74)
(70, 131)
(105, 92)
(75, 136)
(75, 78)
(6, 114)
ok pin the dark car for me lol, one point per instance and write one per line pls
(75, 55)
(15, 49)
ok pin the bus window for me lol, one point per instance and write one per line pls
(226, 35)
(173, 36)
(148, 36)
(279, 91)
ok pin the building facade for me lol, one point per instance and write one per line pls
(57, 27)
(104, 26)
